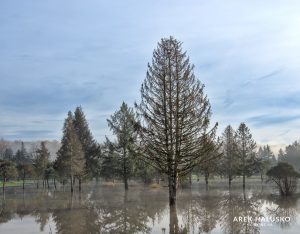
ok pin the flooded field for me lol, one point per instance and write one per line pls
(108, 209)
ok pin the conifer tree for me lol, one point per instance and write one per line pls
(122, 124)
(175, 115)
(229, 165)
(267, 160)
(109, 162)
(90, 147)
(24, 163)
(7, 171)
(246, 152)
(41, 162)
(281, 156)
(70, 160)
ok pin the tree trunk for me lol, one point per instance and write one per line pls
(48, 184)
(3, 185)
(244, 181)
(172, 189)
(190, 179)
(71, 184)
(229, 181)
(37, 184)
(79, 184)
(23, 179)
(174, 227)
(125, 171)
(206, 178)
(54, 183)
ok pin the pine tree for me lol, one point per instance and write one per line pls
(293, 155)
(109, 162)
(122, 123)
(246, 152)
(41, 162)
(70, 160)
(7, 171)
(229, 165)
(281, 156)
(90, 147)
(24, 163)
(175, 114)
(267, 159)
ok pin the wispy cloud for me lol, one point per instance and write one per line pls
(56, 55)
(266, 120)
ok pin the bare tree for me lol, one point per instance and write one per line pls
(174, 115)
(3, 147)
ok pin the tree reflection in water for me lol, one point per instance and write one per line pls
(283, 207)
(141, 210)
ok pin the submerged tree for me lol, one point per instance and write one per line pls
(90, 147)
(41, 162)
(70, 161)
(211, 165)
(109, 162)
(246, 146)
(230, 161)
(24, 164)
(7, 171)
(267, 160)
(285, 178)
(175, 114)
(292, 155)
(122, 124)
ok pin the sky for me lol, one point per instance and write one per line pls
(56, 55)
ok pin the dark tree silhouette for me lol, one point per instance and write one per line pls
(285, 178)
(175, 114)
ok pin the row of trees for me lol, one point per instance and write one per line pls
(170, 130)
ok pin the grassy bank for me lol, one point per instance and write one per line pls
(16, 183)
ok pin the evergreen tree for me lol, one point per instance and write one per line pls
(230, 160)
(122, 124)
(211, 165)
(8, 154)
(281, 156)
(267, 160)
(70, 160)
(7, 171)
(109, 162)
(24, 163)
(293, 155)
(90, 147)
(246, 152)
(41, 162)
(3, 147)
(175, 115)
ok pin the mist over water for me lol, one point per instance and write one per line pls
(109, 209)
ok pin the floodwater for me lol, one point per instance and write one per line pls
(108, 209)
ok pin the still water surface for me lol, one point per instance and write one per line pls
(107, 209)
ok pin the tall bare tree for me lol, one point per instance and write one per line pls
(175, 114)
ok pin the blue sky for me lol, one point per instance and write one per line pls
(56, 55)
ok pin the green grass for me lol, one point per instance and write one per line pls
(16, 183)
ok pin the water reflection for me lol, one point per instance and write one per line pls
(142, 210)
